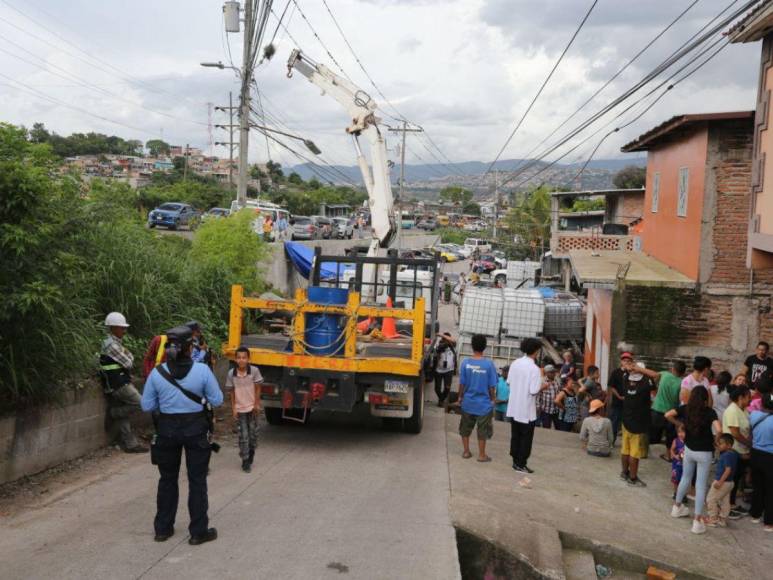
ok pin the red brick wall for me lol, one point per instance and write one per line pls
(630, 207)
(732, 171)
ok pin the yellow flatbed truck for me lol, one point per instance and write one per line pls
(321, 361)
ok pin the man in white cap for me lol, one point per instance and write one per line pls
(116, 366)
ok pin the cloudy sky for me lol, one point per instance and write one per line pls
(464, 69)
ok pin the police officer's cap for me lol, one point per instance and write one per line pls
(180, 335)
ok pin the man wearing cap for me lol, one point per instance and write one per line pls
(171, 390)
(616, 385)
(636, 420)
(547, 410)
(116, 364)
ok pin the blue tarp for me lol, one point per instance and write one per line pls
(546, 291)
(301, 256)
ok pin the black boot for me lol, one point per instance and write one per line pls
(246, 468)
(251, 457)
(208, 536)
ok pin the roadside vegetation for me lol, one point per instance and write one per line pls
(72, 253)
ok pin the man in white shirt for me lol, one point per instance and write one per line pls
(525, 380)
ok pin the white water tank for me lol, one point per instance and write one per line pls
(517, 272)
(523, 313)
(231, 16)
(481, 311)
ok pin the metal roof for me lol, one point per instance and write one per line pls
(600, 269)
(756, 24)
(655, 136)
(592, 192)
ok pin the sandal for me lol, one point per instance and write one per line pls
(664, 458)
(484, 460)
(466, 455)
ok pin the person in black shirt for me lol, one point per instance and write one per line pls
(757, 364)
(636, 420)
(616, 385)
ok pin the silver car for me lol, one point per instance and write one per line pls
(303, 228)
(343, 228)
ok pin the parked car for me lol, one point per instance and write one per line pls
(482, 245)
(462, 250)
(484, 266)
(324, 226)
(491, 257)
(448, 254)
(216, 212)
(343, 228)
(427, 225)
(303, 228)
(173, 215)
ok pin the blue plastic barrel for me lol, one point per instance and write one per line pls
(325, 332)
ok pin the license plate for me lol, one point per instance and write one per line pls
(396, 387)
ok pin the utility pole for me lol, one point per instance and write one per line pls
(404, 130)
(244, 104)
(230, 108)
(185, 166)
(496, 201)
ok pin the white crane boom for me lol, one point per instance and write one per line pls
(361, 109)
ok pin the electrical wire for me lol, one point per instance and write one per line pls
(633, 59)
(542, 87)
(320, 41)
(686, 49)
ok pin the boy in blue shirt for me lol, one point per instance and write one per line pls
(718, 499)
(477, 386)
(503, 396)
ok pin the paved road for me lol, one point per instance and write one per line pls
(339, 495)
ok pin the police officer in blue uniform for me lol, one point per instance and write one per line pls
(178, 391)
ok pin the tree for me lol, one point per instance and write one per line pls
(158, 147)
(39, 133)
(295, 179)
(275, 171)
(631, 177)
(471, 208)
(456, 195)
(530, 220)
(314, 183)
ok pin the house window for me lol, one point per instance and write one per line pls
(684, 182)
(655, 192)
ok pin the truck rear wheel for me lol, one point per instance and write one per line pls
(415, 422)
(274, 415)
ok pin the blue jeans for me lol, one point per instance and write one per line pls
(616, 416)
(700, 461)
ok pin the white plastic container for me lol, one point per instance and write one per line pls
(523, 315)
(517, 272)
(481, 311)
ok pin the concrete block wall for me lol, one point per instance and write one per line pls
(39, 438)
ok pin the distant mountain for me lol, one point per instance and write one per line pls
(438, 172)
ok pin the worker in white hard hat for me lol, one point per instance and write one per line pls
(116, 366)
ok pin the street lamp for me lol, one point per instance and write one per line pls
(218, 64)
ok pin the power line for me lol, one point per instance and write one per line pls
(47, 67)
(319, 40)
(611, 79)
(686, 49)
(544, 84)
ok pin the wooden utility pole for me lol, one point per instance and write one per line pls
(185, 165)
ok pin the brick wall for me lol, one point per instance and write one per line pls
(630, 207)
(665, 324)
(731, 166)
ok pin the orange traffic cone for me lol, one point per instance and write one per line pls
(362, 327)
(388, 327)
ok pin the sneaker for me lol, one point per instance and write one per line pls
(246, 467)
(768, 528)
(713, 523)
(528, 469)
(698, 527)
(208, 536)
(736, 515)
(679, 511)
(756, 520)
(519, 468)
(740, 508)
(624, 475)
(636, 483)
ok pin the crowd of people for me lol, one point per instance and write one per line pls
(715, 427)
